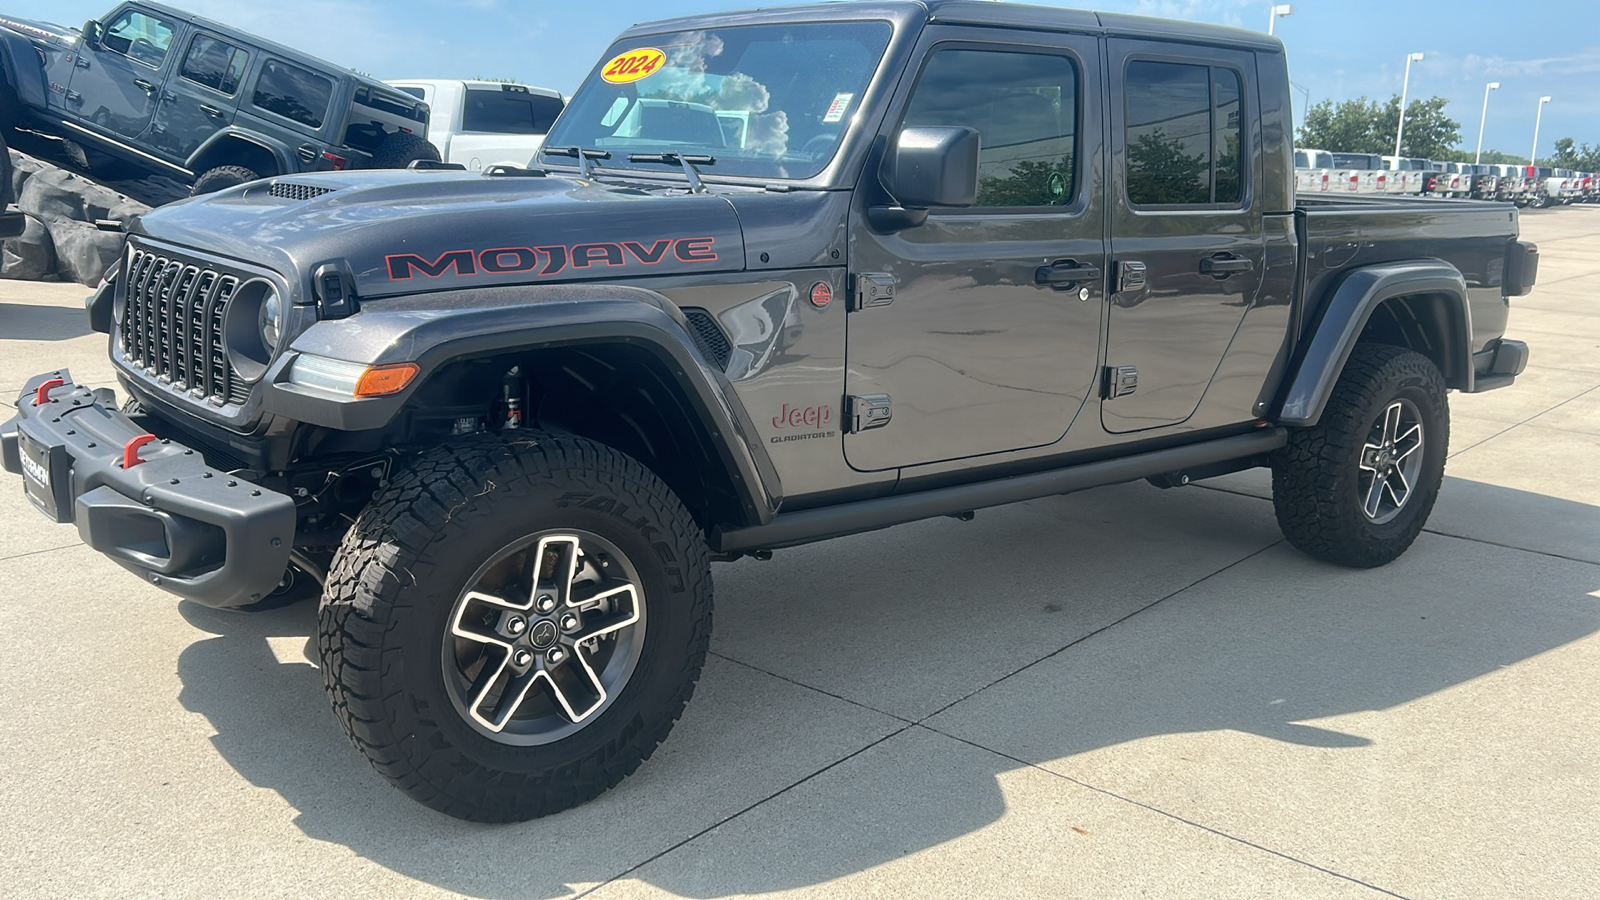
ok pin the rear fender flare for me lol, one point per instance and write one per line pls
(200, 161)
(436, 329)
(1345, 316)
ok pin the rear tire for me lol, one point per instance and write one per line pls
(221, 178)
(1387, 419)
(464, 600)
(402, 149)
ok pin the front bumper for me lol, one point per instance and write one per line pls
(170, 518)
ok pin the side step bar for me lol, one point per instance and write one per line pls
(792, 529)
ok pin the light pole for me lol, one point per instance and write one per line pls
(1491, 86)
(1404, 86)
(1533, 157)
(1283, 9)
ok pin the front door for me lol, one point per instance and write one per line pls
(116, 85)
(1186, 232)
(990, 342)
(201, 99)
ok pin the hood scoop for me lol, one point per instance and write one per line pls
(297, 191)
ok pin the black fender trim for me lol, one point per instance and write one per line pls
(279, 151)
(436, 329)
(1345, 315)
(26, 79)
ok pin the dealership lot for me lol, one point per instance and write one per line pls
(1126, 692)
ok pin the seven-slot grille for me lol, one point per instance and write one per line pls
(172, 325)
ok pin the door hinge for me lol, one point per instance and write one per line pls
(873, 289)
(868, 411)
(1130, 276)
(1119, 381)
(81, 62)
(74, 97)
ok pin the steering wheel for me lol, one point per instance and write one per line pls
(144, 50)
(818, 144)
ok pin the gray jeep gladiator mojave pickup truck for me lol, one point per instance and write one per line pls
(174, 94)
(788, 274)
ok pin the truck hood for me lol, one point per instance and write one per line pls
(41, 31)
(402, 232)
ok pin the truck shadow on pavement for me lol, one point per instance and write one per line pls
(22, 322)
(1269, 642)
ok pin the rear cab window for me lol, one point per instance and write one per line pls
(293, 93)
(508, 111)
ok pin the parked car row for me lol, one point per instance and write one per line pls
(169, 93)
(1322, 171)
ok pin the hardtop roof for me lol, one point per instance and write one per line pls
(974, 12)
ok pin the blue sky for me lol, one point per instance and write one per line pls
(1337, 48)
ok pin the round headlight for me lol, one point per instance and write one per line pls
(271, 319)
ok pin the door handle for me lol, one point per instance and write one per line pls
(211, 111)
(1223, 266)
(145, 86)
(1064, 274)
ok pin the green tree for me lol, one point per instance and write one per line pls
(1030, 183)
(1490, 157)
(1160, 172)
(1367, 126)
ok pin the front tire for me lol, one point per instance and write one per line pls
(1356, 488)
(513, 625)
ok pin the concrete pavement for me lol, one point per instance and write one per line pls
(1121, 693)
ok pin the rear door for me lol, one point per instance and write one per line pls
(990, 340)
(201, 98)
(115, 86)
(1186, 237)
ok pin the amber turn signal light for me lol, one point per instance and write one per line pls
(381, 381)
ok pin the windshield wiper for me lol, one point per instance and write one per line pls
(686, 160)
(582, 155)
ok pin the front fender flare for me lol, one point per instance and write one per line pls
(436, 329)
(1344, 317)
(20, 68)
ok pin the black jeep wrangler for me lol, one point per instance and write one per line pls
(173, 94)
(789, 274)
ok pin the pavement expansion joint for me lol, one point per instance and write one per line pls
(1170, 815)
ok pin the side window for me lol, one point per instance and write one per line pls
(1185, 134)
(1025, 108)
(139, 36)
(293, 92)
(215, 64)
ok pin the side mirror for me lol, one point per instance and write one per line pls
(91, 33)
(928, 166)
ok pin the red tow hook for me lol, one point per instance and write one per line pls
(130, 450)
(43, 396)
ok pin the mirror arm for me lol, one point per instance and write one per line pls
(889, 219)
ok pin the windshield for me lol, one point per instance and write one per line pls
(765, 101)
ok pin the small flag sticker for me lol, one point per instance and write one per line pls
(836, 109)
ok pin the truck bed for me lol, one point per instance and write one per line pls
(1338, 234)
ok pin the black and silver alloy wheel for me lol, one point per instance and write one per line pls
(548, 634)
(1357, 487)
(514, 624)
(1391, 461)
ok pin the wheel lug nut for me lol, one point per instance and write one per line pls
(555, 656)
(516, 625)
(569, 622)
(522, 657)
(545, 603)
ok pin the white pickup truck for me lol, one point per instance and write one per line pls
(482, 123)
